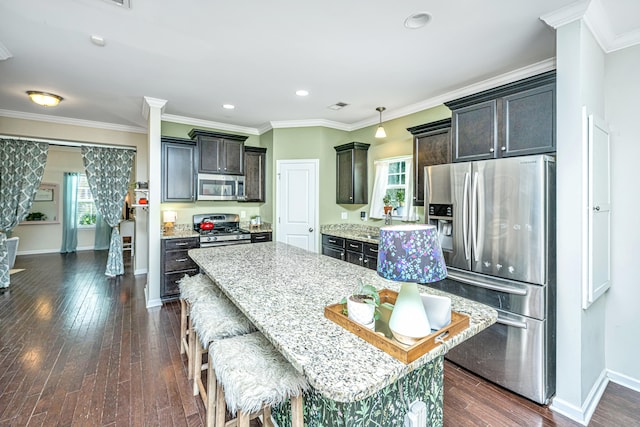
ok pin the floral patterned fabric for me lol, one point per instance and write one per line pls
(385, 408)
(21, 168)
(108, 172)
(410, 253)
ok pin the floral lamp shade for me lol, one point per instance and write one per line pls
(410, 254)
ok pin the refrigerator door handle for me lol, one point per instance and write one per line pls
(490, 286)
(513, 323)
(465, 215)
(474, 217)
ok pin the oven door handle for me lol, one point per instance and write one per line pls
(515, 324)
(490, 286)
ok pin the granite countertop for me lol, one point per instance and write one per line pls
(360, 232)
(283, 290)
(178, 233)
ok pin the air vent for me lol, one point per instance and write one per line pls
(338, 106)
(122, 3)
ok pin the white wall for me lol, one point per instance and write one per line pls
(622, 86)
(580, 333)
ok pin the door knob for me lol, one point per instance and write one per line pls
(596, 208)
(310, 230)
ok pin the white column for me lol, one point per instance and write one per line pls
(152, 110)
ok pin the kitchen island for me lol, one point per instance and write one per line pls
(283, 290)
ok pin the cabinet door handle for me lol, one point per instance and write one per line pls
(182, 260)
(332, 241)
(504, 148)
(182, 244)
(260, 237)
(351, 245)
(366, 261)
(373, 250)
(491, 150)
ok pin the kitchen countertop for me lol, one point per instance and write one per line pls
(360, 232)
(180, 231)
(283, 290)
(265, 227)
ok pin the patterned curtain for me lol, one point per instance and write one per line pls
(108, 171)
(21, 168)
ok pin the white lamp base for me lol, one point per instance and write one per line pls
(409, 322)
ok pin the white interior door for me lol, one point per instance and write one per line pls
(598, 211)
(297, 203)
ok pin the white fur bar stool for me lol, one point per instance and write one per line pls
(192, 289)
(252, 376)
(212, 319)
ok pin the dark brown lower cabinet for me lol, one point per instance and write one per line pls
(175, 264)
(353, 251)
(261, 237)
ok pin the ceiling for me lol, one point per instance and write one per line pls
(198, 55)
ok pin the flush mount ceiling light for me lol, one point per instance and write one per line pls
(228, 106)
(302, 92)
(45, 99)
(97, 40)
(417, 20)
(380, 133)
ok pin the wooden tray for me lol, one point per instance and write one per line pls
(402, 352)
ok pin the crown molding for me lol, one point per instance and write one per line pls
(281, 124)
(150, 102)
(209, 124)
(4, 52)
(70, 121)
(593, 13)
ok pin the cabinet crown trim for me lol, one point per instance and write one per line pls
(177, 140)
(194, 133)
(352, 145)
(504, 90)
(254, 149)
(428, 127)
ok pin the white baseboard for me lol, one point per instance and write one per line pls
(624, 380)
(140, 271)
(51, 251)
(584, 413)
(154, 303)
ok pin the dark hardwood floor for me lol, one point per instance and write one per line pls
(78, 348)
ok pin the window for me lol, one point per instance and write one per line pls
(397, 185)
(86, 208)
(392, 187)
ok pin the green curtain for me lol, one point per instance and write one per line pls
(103, 234)
(21, 169)
(108, 171)
(70, 212)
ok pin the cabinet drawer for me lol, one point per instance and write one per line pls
(173, 244)
(333, 252)
(170, 288)
(260, 237)
(333, 241)
(354, 246)
(178, 261)
(370, 250)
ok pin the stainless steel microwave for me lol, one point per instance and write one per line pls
(220, 187)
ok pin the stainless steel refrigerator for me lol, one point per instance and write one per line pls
(496, 220)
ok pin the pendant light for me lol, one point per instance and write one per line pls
(380, 133)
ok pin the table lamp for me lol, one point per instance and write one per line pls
(410, 254)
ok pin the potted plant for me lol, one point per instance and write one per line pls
(387, 203)
(362, 305)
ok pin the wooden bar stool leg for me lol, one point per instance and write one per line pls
(210, 404)
(221, 406)
(197, 367)
(266, 417)
(297, 415)
(192, 349)
(183, 326)
(243, 419)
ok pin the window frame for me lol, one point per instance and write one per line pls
(83, 201)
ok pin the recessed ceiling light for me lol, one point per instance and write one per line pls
(43, 98)
(228, 106)
(417, 20)
(302, 92)
(97, 40)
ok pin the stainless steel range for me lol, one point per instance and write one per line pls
(219, 230)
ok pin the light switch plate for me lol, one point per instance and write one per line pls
(345, 215)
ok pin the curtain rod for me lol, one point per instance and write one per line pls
(63, 143)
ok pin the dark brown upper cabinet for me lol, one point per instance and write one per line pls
(431, 146)
(351, 173)
(515, 119)
(219, 153)
(254, 171)
(178, 170)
